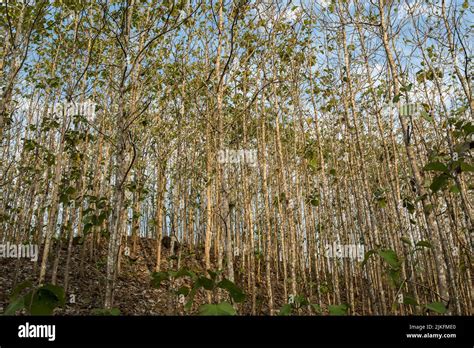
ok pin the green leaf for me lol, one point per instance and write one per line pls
(409, 300)
(64, 199)
(406, 88)
(158, 277)
(184, 273)
(324, 288)
(191, 295)
(367, 255)
(317, 308)
(313, 163)
(183, 290)
(234, 291)
(15, 306)
(57, 291)
(43, 302)
(19, 288)
(212, 274)
(437, 307)
(409, 205)
(436, 166)
(206, 283)
(87, 228)
(338, 309)
(299, 301)
(394, 277)
(454, 189)
(468, 128)
(439, 182)
(223, 308)
(114, 311)
(426, 116)
(382, 202)
(466, 167)
(390, 257)
(285, 310)
(420, 76)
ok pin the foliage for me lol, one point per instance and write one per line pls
(198, 282)
(223, 308)
(35, 300)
